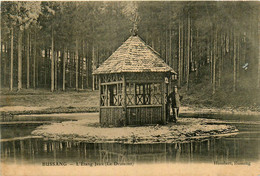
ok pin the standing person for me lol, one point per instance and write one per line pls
(175, 99)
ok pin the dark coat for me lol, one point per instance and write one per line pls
(174, 99)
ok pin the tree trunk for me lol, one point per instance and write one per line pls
(82, 64)
(19, 48)
(258, 52)
(238, 56)
(34, 61)
(188, 54)
(166, 45)
(37, 66)
(170, 49)
(64, 70)
(52, 60)
(191, 50)
(87, 72)
(56, 57)
(71, 67)
(182, 51)
(93, 67)
(1, 57)
(77, 65)
(214, 63)
(197, 53)
(28, 61)
(220, 61)
(12, 59)
(5, 64)
(223, 52)
(47, 53)
(179, 61)
(234, 66)
(212, 44)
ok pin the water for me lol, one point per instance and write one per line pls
(243, 147)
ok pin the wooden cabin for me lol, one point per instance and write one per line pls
(133, 85)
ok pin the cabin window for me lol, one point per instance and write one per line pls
(156, 94)
(143, 94)
(136, 94)
(130, 94)
(111, 95)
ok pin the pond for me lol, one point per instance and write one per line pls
(19, 149)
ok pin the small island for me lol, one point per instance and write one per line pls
(89, 130)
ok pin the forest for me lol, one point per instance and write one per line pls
(56, 45)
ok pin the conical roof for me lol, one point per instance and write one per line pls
(133, 56)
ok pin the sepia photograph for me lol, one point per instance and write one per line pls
(130, 88)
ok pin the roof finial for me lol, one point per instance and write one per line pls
(134, 30)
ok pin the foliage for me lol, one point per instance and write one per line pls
(207, 43)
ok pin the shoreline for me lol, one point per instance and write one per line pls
(186, 140)
(88, 130)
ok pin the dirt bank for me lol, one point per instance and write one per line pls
(90, 131)
(226, 110)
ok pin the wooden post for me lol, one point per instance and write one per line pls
(106, 95)
(99, 85)
(96, 82)
(124, 99)
(93, 82)
(134, 94)
(170, 83)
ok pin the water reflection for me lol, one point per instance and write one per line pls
(208, 151)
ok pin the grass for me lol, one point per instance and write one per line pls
(200, 95)
(44, 98)
(41, 101)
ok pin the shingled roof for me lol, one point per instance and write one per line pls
(134, 56)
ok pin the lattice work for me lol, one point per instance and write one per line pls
(147, 99)
(139, 99)
(143, 94)
(130, 99)
(144, 76)
(103, 100)
(111, 78)
(156, 99)
(119, 100)
(115, 100)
